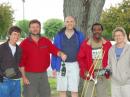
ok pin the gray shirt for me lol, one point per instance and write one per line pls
(121, 68)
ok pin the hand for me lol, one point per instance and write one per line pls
(84, 74)
(25, 80)
(107, 73)
(63, 56)
(54, 73)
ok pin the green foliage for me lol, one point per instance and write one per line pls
(116, 16)
(52, 82)
(24, 25)
(6, 19)
(52, 26)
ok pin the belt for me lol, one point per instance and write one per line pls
(11, 79)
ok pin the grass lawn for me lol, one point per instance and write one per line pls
(52, 82)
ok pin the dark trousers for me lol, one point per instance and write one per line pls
(39, 85)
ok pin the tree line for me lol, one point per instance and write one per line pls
(110, 18)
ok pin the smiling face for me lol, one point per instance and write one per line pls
(97, 31)
(119, 37)
(14, 34)
(35, 28)
(69, 23)
(14, 37)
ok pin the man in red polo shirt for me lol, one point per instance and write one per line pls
(35, 60)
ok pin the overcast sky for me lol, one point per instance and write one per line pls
(43, 9)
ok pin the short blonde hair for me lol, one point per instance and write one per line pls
(121, 29)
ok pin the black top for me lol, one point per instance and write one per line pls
(7, 60)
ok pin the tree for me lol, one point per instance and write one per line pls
(24, 25)
(86, 12)
(6, 19)
(116, 16)
(52, 26)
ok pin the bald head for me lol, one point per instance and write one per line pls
(70, 17)
(69, 22)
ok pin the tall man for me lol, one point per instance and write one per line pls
(10, 55)
(68, 40)
(92, 57)
(35, 60)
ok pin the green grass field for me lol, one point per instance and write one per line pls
(52, 82)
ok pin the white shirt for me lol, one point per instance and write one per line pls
(13, 48)
(97, 53)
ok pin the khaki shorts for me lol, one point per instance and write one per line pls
(39, 85)
(70, 81)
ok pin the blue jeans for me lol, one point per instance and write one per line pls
(10, 88)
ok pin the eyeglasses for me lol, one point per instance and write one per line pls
(118, 36)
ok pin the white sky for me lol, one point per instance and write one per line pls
(43, 9)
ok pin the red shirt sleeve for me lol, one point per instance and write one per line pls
(106, 48)
(24, 56)
(53, 49)
(85, 60)
(81, 57)
(81, 60)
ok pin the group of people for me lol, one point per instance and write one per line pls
(93, 59)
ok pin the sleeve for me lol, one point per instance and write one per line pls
(53, 49)
(54, 58)
(81, 60)
(106, 48)
(1, 73)
(82, 37)
(108, 69)
(109, 60)
(108, 53)
(23, 55)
